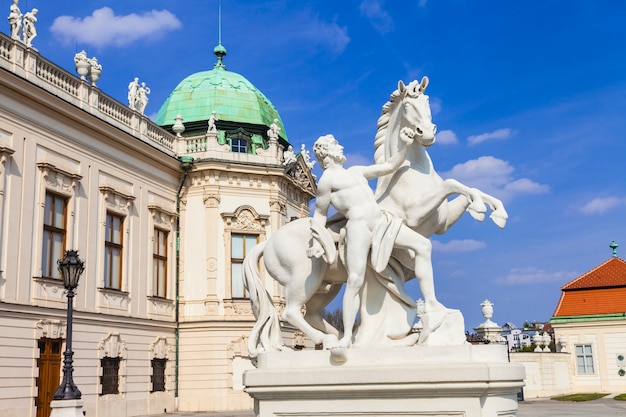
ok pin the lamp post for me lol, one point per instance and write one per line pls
(70, 267)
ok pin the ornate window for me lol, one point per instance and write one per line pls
(113, 247)
(54, 231)
(158, 374)
(113, 357)
(584, 359)
(241, 245)
(56, 206)
(159, 263)
(242, 230)
(159, 350)
(110, 380)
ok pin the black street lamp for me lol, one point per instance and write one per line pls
(70, 267)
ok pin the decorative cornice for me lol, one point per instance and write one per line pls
(116, 200)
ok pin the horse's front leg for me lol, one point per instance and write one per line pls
(498, 212)
(476, 206)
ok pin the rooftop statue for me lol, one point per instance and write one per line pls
(15, 20)
(142, 98)
(289, 156)
(133, 87)
(138, 95)
(30, 31)
(272, 132)
(409, 189)
(307, 157)
(212, 127)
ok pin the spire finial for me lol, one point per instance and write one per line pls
(219, 50)
(614, 246)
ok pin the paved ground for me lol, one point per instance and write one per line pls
(543, 407)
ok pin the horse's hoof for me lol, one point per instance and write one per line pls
(476, 215)
(498, 220)
(338, 355)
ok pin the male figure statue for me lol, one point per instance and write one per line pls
(348, 192)
(15, 20)
(133, 87)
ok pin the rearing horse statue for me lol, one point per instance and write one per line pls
(415, 193)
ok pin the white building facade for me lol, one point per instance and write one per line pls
(161, 316)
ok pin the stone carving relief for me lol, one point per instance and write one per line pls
(212, 200)
(245, 219)
(58, 180)
(113, 346)
(278, 206)
(115, 200)
(52, 329)
(162, 217)
(159, 348)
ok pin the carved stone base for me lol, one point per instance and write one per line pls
(66, 408)
(434, 381)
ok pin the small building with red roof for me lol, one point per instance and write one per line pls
(590, 324)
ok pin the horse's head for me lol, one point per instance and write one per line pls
(413, 111)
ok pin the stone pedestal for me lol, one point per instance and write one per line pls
(468, 381)
(66, 408)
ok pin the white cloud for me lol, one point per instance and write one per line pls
(422, 3)
(378, 17)
(494, 176)
(602, 205)
(447, 137)
(499, 134)
(530, 275)
(458, 245)
(103, 27)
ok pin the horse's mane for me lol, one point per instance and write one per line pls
(382, 124)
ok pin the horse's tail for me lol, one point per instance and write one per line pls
(266, 333)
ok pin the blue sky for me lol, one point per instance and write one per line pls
(529, 98)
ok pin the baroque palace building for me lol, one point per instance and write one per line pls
(161, 212)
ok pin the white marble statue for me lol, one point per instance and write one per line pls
(273, 131)
(15, 20)
(417, 195)
(307, 157)
(368, 228)
(142, 97)
(133, 87)
(30, 31)
(289, 156)
(212, 127)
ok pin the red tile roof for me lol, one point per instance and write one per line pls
(599, 291)
(590, 302)
(611, 273)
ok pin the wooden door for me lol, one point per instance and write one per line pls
(49, 364)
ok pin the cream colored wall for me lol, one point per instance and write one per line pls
(547, 374)
(608, 339)
(46, 146)
(59, 133)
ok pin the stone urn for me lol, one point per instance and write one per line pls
(487, 309)
(538, 341)
(94, 75)
(82, 69)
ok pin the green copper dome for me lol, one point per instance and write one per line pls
(230, 95)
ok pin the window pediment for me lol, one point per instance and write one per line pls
(58, 179)
(115, 200)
